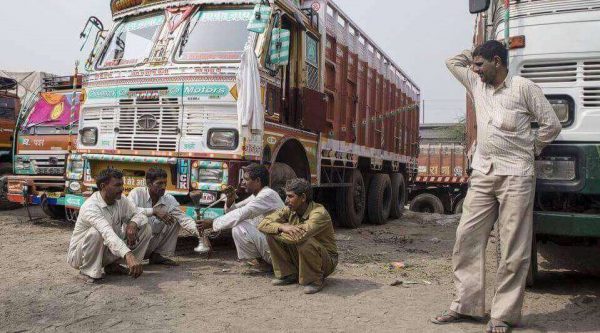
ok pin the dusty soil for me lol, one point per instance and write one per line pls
(40, 292)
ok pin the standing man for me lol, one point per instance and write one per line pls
(108, 230)
(164, 216)
(243, 217)
(502, 185)
(301, 239)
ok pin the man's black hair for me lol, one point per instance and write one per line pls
(258, 171)
(106, 175)
(300, 186)
(153, 174)
(491, 49)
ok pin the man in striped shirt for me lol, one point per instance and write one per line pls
(502, 185)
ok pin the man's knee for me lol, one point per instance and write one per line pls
(145, 231)
(93, 235)
(237, 232)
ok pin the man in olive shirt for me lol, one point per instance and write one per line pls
(301, 239)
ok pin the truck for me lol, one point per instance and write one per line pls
(46, 130)
(9, 109)
(542, 46)
(440, 185)
(202, 88)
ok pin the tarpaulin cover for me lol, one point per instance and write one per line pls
(54, 109)
(28, 82)
(249, 105)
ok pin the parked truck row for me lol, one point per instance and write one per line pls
(165, 86)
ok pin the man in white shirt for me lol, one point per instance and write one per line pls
(243, 217)
(109, 230)
(164, 215)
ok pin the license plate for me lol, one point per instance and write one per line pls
(133, 182)
(208, 198)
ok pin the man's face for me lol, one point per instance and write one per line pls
(486, 69)
(158, 187)
(252, 185)
(113, 190)
(294, 201)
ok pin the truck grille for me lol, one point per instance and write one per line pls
(53, 165)
(591, 97)
(196, 116)
(105, 117)
(149, 124)
(550, 72)
(591, 70)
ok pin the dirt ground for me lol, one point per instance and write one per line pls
(40, 292)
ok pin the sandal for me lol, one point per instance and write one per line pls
(497, 326)
(450, 317)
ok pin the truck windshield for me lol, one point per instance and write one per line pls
(132, 41)
(215, 35)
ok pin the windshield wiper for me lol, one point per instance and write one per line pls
(186, 35)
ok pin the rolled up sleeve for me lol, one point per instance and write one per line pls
(459, 66)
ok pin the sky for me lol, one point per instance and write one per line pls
(418, 35)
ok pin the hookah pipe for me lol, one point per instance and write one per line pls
(204, 245)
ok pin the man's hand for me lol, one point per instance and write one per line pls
(229, 191)
(293, 231)
(204, 224)
(131, 231)
(135, 266)
(163, 214)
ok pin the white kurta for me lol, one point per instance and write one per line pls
(164, 237)
(99, 235)
(243, 218)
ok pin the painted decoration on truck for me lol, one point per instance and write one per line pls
(54, 109)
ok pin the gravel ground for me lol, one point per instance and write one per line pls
(40, 292)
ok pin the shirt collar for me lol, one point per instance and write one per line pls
(308, 210)
(100, 200)
(507, 83)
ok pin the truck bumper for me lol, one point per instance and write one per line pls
(76, 201)
(32, 189)
(566, 224)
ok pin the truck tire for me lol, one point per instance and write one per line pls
(53, 211)
(379, 199)
(398, 195)
(5, 204)
(458, 209)
(427, 203)
(351, 201)
(533, 265)
(280, 173)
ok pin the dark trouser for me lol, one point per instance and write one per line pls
(310, 261)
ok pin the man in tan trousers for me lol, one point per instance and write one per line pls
(501, 187)
(301, 239)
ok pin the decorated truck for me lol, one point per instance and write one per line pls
(9, 110)
(46, 131)
(543, 48)
(201, 88)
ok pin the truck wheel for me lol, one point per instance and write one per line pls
(427, 203)
(4, 202)
(71, 214)
(398, 195)
(533, 265)
(55, 212)
(280, 174)
(350, 201)
(379, 199)
(458, 208)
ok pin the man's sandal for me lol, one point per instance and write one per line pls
(451, 317)
(497, 326)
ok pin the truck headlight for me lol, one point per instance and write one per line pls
(226, 139)
(563, 106)
(558, 168)
(89, 136)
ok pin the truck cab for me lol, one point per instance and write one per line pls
(9, 110)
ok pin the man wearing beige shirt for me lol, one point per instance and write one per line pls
(109, 230)
(501, 187)
(164, 216)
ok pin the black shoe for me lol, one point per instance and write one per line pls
(284, 281)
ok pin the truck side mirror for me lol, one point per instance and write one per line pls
(280, 47)
(478, 6)
(260, 18)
